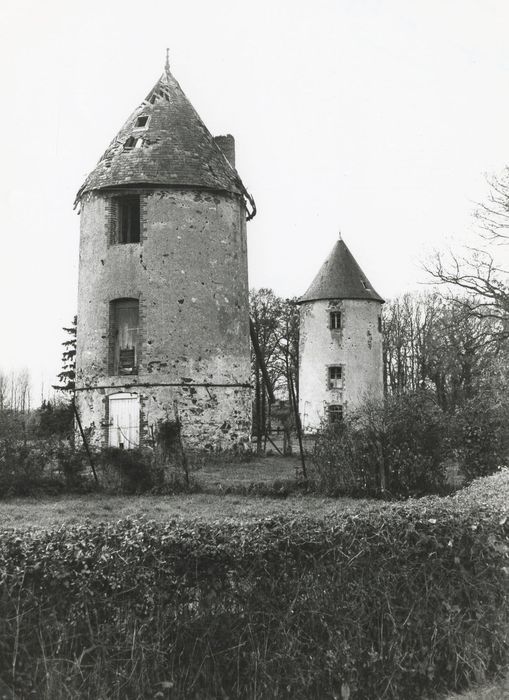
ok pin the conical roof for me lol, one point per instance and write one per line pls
(340, 277)
(164, 142)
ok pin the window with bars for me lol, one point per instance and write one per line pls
(124, 325)
(335, 377)
(335, 320)
(126, 219)
(334, 413)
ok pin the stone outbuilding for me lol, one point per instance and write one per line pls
(340, 354)
(163, 312)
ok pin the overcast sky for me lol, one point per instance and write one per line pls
(379, 118)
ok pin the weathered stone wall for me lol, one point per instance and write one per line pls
(211, 417)
(189, 272)
(356, 346)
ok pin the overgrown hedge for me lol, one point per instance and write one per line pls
(400, 601)
(391, 448)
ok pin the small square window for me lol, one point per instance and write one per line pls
(335, 320)
(141, 121)
(335, 378)
(335, 413)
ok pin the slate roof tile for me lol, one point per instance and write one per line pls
(340, 277)
(174, 147)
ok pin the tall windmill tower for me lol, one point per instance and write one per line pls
(163, 315)
(340, 341)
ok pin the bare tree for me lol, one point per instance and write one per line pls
(276, 325)
(476, 272)
(17, 391)
(484, 283)
(435, 343)
(493, 215)
(4, 382)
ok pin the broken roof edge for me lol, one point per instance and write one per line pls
(228, 178)
(170, 186)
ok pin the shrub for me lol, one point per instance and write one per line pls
(128, 471)
(396, 447)
(54, 419)
(37, 453)
(32, 467)
(340, 463)
(482, 434)
(404, 601)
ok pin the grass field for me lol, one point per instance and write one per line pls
(48, 513)
(214, 503)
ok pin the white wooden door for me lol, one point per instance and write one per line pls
(124, 416)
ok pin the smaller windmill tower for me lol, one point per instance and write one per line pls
(340, 341)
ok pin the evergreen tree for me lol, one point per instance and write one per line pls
(68, 374)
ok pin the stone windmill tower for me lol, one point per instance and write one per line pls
(340, 341)
(163, 315)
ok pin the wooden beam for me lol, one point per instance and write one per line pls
(261, 361)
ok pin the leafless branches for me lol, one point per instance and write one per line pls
(15, 391)
(482, 281)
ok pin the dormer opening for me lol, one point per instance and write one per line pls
(141, 121)
(133, 142)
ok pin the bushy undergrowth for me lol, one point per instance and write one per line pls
(398, 602)
(38, 455)
(128, 471)
(481, 433)
(50, 465)
(396, 447)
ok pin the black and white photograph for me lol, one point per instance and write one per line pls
(254, 350)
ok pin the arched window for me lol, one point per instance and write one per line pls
(124, 336)
(124, 420)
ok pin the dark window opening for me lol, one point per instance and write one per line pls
(124, 315)
(335, 413)
(379, 324)
(335, 320)
(133, 142)
(141, 121)
(335, 380)
(364, 284)
(128, 219)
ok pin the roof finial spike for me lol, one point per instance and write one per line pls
(340, 237)
(167, 64)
